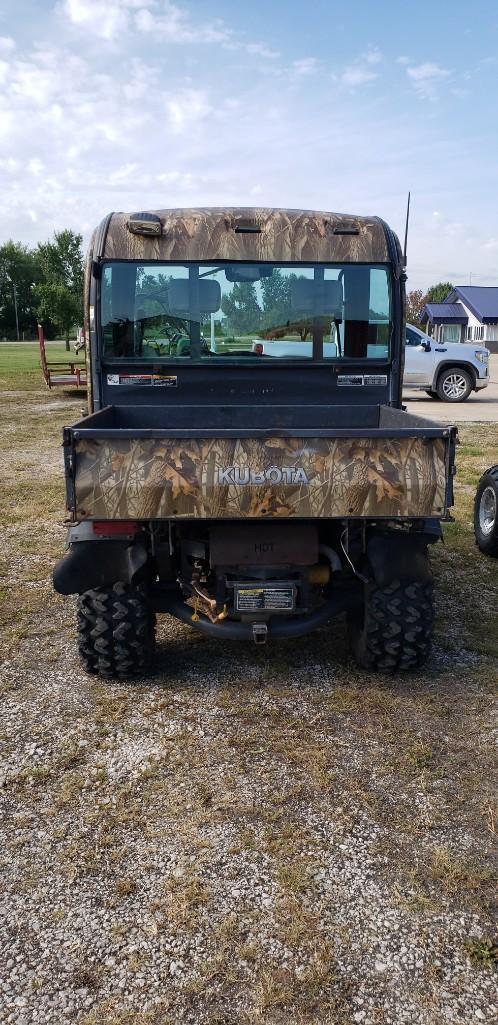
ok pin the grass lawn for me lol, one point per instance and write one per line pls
(20, 363)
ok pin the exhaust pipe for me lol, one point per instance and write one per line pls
(294, 626)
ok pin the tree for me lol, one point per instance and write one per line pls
(275, 291)
(415, 302)
(60, 293)
(19, 272)
(437, 293)
(241, 308)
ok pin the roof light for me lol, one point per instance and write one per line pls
(144, 224)
(344, 228)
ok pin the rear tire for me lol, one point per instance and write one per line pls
(395, 631)
(116, 631)
(454, 385)
(486, 513)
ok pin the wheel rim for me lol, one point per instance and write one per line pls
(454, 386)
(487, 511)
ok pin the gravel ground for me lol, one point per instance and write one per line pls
(249, 835)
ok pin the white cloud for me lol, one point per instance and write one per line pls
(359, 72)
(172, 24)
(305, 65)
(186, 107)
(261, 50)
(373, 56)
(104, 18)
(6, 44)
(404, 60)
(355, 75)
(425, 78)
(35, 166)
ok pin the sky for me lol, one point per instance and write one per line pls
(339, 105)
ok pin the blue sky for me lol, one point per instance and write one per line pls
(125, 104)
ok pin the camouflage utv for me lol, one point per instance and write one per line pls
(246, 465)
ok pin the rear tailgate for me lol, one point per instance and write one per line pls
(401, 468)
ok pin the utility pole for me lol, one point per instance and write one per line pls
(15, 308)
(14, 290)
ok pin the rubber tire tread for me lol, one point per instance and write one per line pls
(488, 544)
(116, 631)
(397, 626)
(439, 386)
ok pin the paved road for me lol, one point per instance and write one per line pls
(481, 406)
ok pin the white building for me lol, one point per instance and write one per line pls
(468, 314)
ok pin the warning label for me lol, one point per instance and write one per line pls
(255, 599)
(139, 380)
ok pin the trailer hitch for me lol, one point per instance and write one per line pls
(259, 633)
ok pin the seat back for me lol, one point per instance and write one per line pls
(316, 298)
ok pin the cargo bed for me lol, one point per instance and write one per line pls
(342, 461)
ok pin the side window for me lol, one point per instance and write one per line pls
(412, 338)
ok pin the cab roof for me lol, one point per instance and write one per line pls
(237, 233)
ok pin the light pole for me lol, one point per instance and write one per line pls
(11, 282)
(15, 308)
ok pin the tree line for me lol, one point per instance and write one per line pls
(44, 284)
(417, 299)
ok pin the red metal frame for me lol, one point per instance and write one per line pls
(63, 368)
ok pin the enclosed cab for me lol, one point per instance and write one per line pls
(246, 464)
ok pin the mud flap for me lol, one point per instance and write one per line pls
(400, 555)
(90, 564)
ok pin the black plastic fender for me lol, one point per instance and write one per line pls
(400, 555)
(90, 564)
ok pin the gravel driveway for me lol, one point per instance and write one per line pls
(250, 835)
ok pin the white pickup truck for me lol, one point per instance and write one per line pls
(446, 371)
(449, 372)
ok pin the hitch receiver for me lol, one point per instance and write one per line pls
(259, 633)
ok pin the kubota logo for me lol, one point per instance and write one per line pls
(273, 475)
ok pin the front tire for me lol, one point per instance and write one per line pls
(454, 385)
(395, 630)
(116, 631)
(486, 513)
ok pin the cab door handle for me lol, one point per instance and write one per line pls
(440, 350)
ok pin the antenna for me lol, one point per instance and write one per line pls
(406, 229)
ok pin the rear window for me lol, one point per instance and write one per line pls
(244, 312)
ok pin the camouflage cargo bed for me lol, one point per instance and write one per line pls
(147, 463)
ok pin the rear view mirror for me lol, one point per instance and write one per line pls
(426, 346)
(247, 272)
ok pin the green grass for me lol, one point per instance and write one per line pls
(20, 364)
(24, 357)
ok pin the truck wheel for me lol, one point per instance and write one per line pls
(395, 631)
(486, 512)
(454, 385)
(116, 631)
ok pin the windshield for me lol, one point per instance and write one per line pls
(244, 312)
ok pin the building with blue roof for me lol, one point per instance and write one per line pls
(468, 314)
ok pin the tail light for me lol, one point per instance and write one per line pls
(115, 528)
